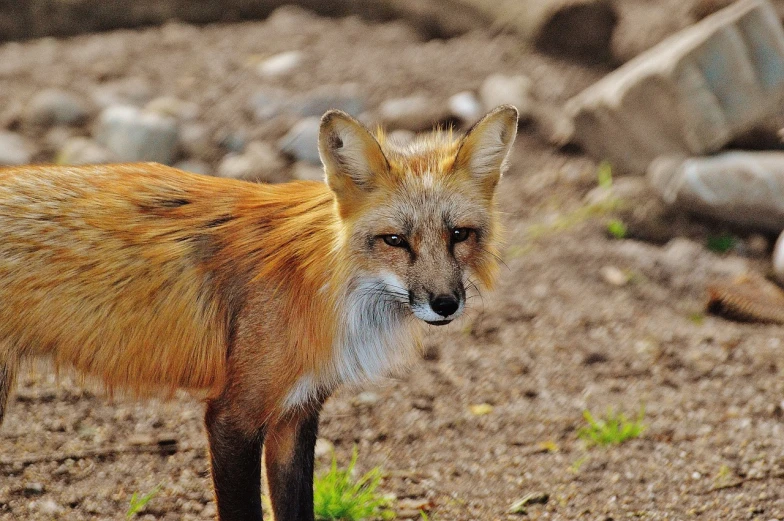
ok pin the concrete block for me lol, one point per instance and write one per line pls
(689, 95)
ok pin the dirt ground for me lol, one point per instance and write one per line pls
(555, 338)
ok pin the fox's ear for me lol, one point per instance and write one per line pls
(484, 149)
(352, 157)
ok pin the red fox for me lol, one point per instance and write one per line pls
(264, 298)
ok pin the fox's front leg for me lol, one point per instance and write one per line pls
(288, 453)
(235, 457)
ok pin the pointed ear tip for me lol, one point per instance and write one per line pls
(509, 111)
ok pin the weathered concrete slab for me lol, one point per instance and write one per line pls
(689, 95)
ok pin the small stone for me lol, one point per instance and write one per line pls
(48, 506)
(757, 245)
(412, 113)
(56, 137)
(614, 276)
(259, 162)
(341, 97)
(136, 135)
(465, 107)
(367, 399)
(83, 151)
(280, 64)
(33, 489)
(304, 171)
(301, 142)
(195, 142)
(14, 149)
(500, 89)
(778, 258)
(56, 107)
(195, 166)
(128, 91)
(324, 447)
(174, 107)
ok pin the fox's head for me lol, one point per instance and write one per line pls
(419, 218)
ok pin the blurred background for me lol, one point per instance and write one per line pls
(600, 319)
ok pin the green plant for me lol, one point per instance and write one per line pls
(617, 228)
(339, 496)
(613, 429)
(721, 243)
(604, 174)
(138, 503)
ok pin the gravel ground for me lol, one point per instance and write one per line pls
(556, 338)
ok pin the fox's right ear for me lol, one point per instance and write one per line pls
(352, 157)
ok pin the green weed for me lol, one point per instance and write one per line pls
(613, 429)
(338, 496)
(721, 243)
(617, 228)
(138, 503)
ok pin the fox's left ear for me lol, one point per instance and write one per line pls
(484, 150)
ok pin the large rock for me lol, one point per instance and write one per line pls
(136, 135)
(83, 151)
(741, 188)
(689, 95)
(301, 142)
(56, 107)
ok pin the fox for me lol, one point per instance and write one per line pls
(262, 299)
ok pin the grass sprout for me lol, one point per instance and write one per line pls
(612, 429)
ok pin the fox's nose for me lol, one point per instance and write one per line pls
(444, 305)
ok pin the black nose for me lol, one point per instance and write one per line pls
(444, 305)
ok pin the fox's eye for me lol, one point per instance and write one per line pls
(396, 241)
(460, 234)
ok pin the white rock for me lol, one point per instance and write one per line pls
(301, 142)
(135, 135)
(500, 89)
(14, 149)
(324, 447)
(134, 91)
(196, 142)
(56, 107)
(304, 171)
(83, 151)
(778, 258)
(614, 276)
(465, 107)
(416, 113)
(280, 64)
(195, 166)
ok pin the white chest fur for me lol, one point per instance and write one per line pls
(375, 338)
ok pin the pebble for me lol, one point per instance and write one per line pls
(366, 398)
(268, 103)
(83, 151)
(304, 171)
(324, 447)
(134, 91)
(778, 258)
(614, 276)
(174, 107)
(280, 64)
(415, 113)
(136, 135)
(466, 107)
(56, 107)
(195, 166)
(500, 89)
(14, 149)
(195, 142)
(301, 142)
(259, 162)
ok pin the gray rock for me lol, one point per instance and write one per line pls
(500, 89)
(268, 103)
(259, 162)
(14, 149)
(742, 188)
(56, 107)
(280, 64)
(415, 113)
(83, 151)
(778, 258)
(195, 166)
(301, 142)
(135, 135)
(689, 95)
(465, 107)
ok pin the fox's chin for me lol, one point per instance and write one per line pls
(438, 322)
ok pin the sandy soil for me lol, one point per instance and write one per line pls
(553, 340)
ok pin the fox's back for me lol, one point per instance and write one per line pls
(115, 271)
